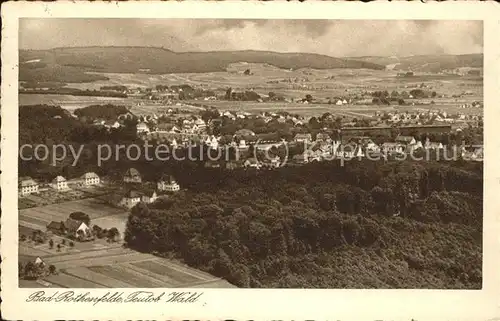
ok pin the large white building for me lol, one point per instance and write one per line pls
(90, 178)
(130, 199)
(168, 184)
(134, 197)
(27, 186)
(59, 183)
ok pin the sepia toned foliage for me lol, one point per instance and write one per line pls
(322, 225)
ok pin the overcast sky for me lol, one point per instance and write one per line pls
(330, 37)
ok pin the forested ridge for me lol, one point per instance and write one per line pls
(364, 225)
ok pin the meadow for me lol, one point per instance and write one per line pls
(95, 208)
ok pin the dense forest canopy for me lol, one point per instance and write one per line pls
(365, 225)
(105, 112)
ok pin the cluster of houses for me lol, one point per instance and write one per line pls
(265, 116)
(188, 126)
(423, 117)
(323, 147)
(474, 104)
(166, 183)
(360, 146)
(71, 228)
(76, 227)
(136, 192)
(133, 195)
(28, 185)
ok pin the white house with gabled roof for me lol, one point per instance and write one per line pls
(59, 183)
(27, 186)
(90, 178)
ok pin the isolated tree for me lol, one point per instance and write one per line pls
(52, 269)
(51, 243)
(96, 229)
(229, 92)
(309, 98)
(80, 216)
(63, 241)
(247, 72)
(113, 233)
(71, 244)
(58, 247)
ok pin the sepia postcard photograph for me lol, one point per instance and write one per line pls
(240, 152)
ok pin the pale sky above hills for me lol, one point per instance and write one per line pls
(330, 37)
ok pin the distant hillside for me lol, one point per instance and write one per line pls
(69, 64)
(428, 63)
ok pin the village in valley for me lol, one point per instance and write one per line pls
(278, 169)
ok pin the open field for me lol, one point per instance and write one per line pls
(269, 77)
(121, 267)
(346, 110)
(99, 264)
(321, 84)
(29, 252)
(94, 207)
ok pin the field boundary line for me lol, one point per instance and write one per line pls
(123, 268)
(111, 215)
(30, 225)
(86, 251)
(81, 278)
(102, 260)
(34, 248)
(90, 257)
(188, 269)
(56, 283)
(201, 282)
(162, 278)
(88, 270)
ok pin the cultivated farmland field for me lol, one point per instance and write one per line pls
(121, 267)
(321, 84)
(94, 207)
(98, 264)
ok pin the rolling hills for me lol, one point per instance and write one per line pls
(70, 64)
(426, 63)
